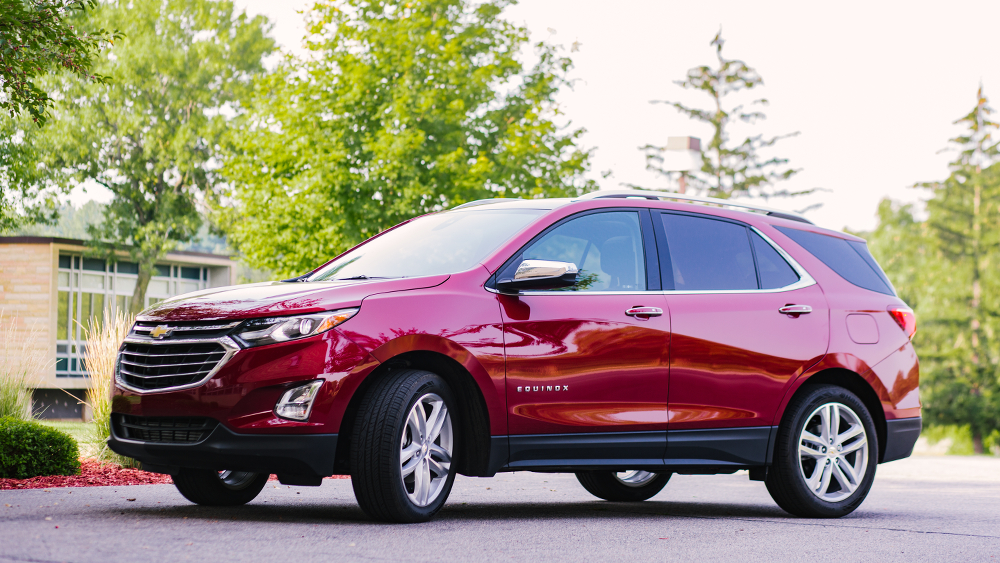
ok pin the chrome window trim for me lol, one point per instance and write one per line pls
(805, 280)
(227, 343)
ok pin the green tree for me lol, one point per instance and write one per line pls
(401, 107)
(946, 268)
(36, 38)
(152, 135)
(728, 168)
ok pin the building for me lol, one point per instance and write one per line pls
(54, 289)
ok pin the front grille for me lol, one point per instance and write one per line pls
(183, 330)
(161, 366)
(164, 430)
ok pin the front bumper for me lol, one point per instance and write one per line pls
(306, 455)
(900, 436)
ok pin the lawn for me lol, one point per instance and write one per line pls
(80, 431)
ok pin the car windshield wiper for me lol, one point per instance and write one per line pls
(363, 277)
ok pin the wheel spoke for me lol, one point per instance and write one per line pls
(408, 452)
(408, 468)
(813, 480)
(845, 482)
(418, 422)
(437, 419)
(824, 482)
(824, 426)
(851, 432)
(439, 453)
(854, 446)
(440, 470)
(849, 473)
(811, 438)
(422, 482)
(806, 451)
(834, 420)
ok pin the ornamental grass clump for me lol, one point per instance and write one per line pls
(20, 364)
(30, 449)
(103, 341)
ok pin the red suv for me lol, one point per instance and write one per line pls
(621, 336)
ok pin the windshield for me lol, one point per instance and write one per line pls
(443, 243)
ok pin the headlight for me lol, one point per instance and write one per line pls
(260, 332)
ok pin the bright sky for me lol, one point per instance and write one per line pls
(873, 87)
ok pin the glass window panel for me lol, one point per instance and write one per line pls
(161, 270)
(93, 311)
(63, 313)
(86, 312)
(128, 268)
(774, 271)
(606, 247)
(125, 285)
(94, 264)
(63, 279)
(190, 273)
(62, 348)
(65, 261)
(62, 364)
(74, 300)
(158, 287)
(843, 258)
(705, 254)
(93, 281)
(152, 300)
(76, 262)
(186, 287)
(122, 302)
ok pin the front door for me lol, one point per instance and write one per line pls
(587, 367)
(736, 345)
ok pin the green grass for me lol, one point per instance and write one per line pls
(80, 431)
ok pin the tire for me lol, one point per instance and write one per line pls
(400, 474)
(626, 486)
(219, 488)
(818, 472)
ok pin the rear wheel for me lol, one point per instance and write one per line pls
(219, 488)
(623, 486)
(825, 455)
(403, 446)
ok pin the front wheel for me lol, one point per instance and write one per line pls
(219, 488)
(623, 486)
(403, 446)
(825, 455)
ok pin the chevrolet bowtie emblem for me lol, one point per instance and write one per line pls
(160, 331)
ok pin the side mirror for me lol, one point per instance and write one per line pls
(540, 274)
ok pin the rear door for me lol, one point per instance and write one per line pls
(746, 320)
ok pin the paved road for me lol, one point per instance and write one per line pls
(923, 508)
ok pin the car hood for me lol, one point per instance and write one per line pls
(276, 298)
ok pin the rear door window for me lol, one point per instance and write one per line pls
(706, 254)
(850, 259)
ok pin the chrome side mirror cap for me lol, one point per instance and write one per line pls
(541, 274)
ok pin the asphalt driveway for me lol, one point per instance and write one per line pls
(922, 508)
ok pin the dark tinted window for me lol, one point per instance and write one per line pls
(706, 254)
(606, 247)
(853, 264)
(774, 272)
(94, 264)
(190, 273)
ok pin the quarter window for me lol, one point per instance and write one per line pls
(773, 270)
(606, 247)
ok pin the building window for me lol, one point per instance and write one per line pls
(89, 286)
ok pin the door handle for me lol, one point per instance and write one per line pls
(795, 309)
(642, 312)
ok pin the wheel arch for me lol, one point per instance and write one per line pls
(854, 383)
(474, 447)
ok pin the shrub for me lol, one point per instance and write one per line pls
(29, 449)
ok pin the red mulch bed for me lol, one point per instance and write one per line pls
(96, 474)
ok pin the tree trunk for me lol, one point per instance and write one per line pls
(977, 442)
(138, 301)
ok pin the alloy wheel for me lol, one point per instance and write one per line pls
(635, 478)
(426, 449)
(833, 452)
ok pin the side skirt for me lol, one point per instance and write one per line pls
(716, 450)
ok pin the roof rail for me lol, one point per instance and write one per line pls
(655, 195)
(484, 202)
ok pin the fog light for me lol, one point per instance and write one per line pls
(297, 402)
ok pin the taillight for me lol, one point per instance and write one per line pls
(905, 318)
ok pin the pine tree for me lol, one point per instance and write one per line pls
(728, 169)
